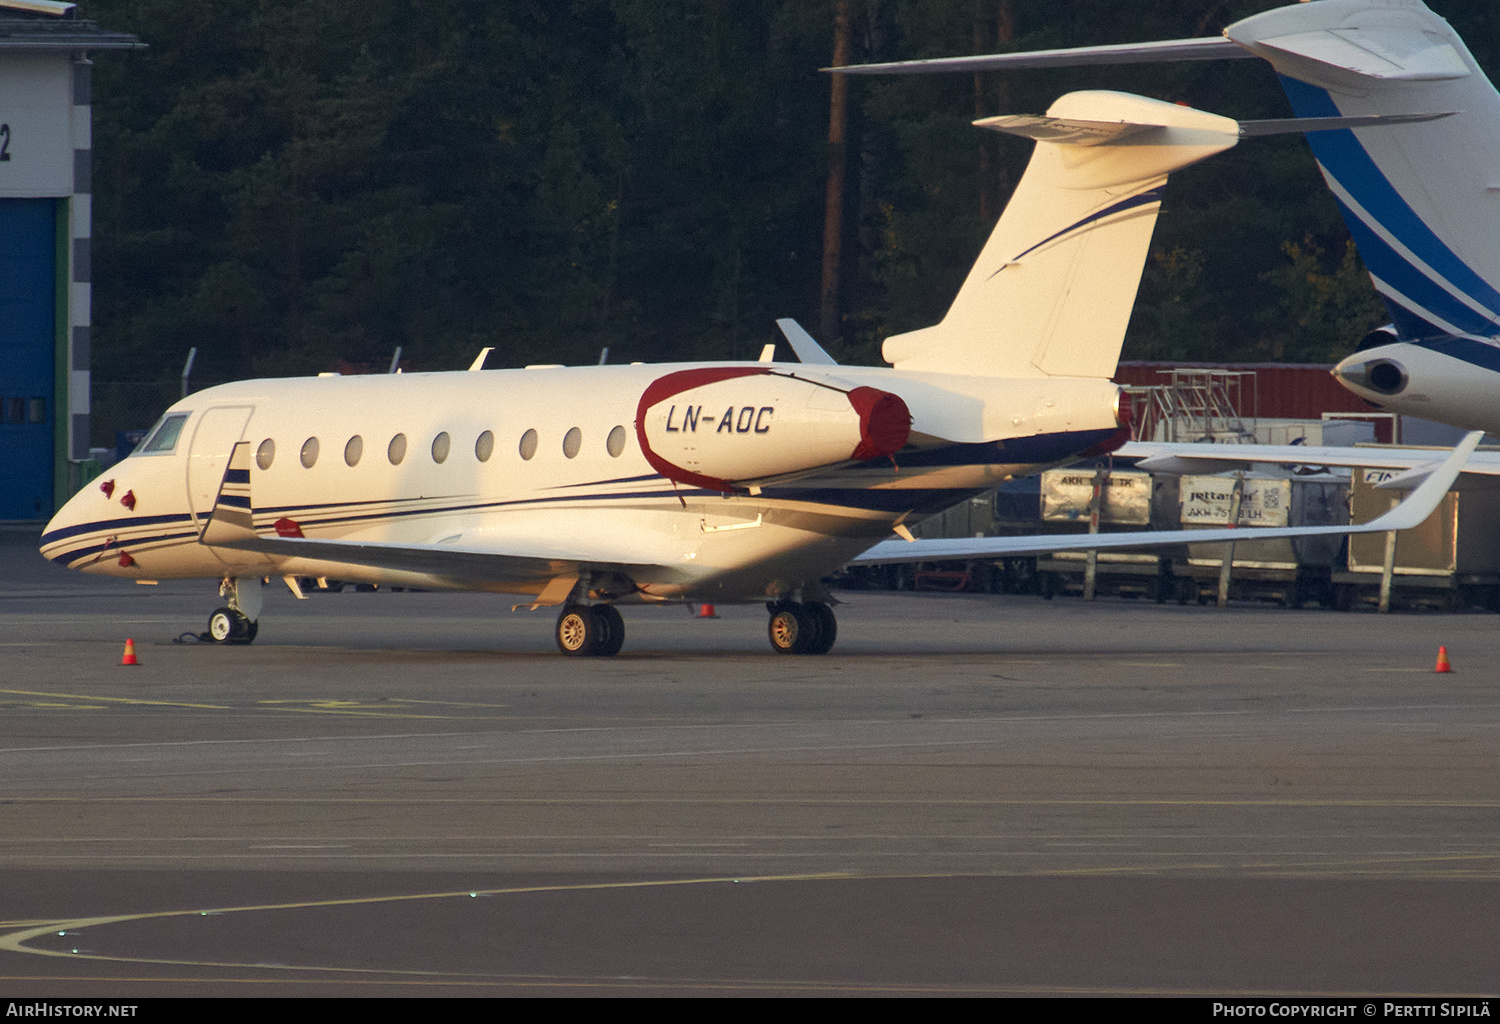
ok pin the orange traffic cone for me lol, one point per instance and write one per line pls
(1442, 662)
(129, 658)
(706, 611)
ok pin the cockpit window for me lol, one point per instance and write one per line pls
(164, 438)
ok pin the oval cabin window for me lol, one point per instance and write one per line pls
(616, 442)
(397, 450)
(265, 454)
(572, 442)
(484, 447)
(353, 450)
(309, 452)
(528, 444)
(440, 446)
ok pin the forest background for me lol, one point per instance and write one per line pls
(293, 186)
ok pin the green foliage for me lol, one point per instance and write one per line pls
(1321, 312)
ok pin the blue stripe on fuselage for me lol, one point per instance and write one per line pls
(1036, 450)
(110, 524)
(1469, 350)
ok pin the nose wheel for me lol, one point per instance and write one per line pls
(238, 621)
(802, 628)
(590, 631)
(227, 626)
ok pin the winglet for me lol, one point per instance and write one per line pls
(807, 349)
(232, 520)
(1416, 508)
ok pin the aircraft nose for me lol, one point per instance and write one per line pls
(1382, 376)
(63, 518)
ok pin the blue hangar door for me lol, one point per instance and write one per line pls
(28, 300)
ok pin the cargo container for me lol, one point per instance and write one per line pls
(1451, 561)
(1290, 571)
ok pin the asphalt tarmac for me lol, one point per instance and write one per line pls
(414, 794)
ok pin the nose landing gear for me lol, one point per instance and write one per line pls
(227, 626)
(239, 621)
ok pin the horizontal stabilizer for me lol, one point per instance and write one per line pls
(1208, 48)
(1076, 132)
(1290, 125)
(1410, 513)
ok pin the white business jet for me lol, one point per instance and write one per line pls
(1421, 198)
(591, 487)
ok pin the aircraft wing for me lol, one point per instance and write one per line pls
(473, 556)
(1206, 48)
(1435, 480)
(459, 560)
(1410, 464)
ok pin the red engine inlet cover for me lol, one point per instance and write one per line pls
(884, 423)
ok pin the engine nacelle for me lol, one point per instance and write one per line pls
(725, 427)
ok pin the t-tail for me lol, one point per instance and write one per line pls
(1404, 124)
(1052, 291)
(1421, 199)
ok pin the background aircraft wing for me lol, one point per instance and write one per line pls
(1435, 482)
(1207, 48)
(1410, 464)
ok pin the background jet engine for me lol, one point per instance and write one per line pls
(725, 427)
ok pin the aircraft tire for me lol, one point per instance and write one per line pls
(578, 630)
(787, 629)
(611, 630)
(827, 627)
(799, 628)
(227, 626)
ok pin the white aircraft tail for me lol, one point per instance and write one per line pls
(1052, 291)
(1422, 200)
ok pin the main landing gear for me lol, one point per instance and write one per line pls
(590, 630)
(239, 621)
(801, 628)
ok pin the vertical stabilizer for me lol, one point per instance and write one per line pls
(1052, 291)
(1422, 200)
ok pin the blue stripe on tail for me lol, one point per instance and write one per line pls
(1347, 162)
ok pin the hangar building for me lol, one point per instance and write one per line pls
(46, 169)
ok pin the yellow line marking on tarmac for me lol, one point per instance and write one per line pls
(14, 942)
(119, 700)
(22, 923)
(333, 709)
